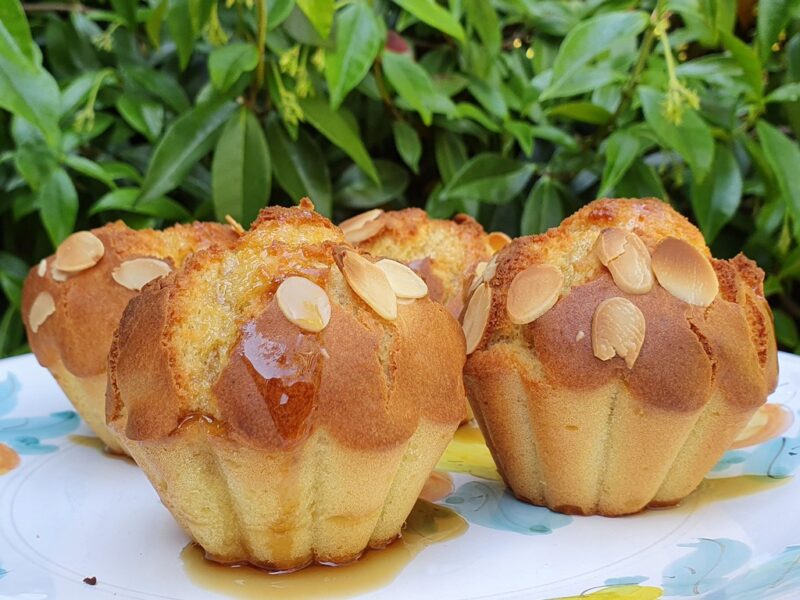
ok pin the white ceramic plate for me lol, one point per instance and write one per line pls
(68, 511)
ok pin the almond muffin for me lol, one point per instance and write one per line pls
(289, 396)
(72, 302)
(445, 253)
(612, 360)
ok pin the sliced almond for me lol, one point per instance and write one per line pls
(304, 303)
(57, 275)
(610, 244)
(364, 226)
(235, 225)
(533, 292)
(41, 271)
(43, 306)
(371, 284)
(498, 240)
(476, 317)
(580, 335)
(82, 250)
(684, 272)
(134, 274)
(404, 282)
(631, 270)
(490, 270)
(618, 328)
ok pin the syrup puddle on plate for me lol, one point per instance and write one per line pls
(95, 443)
(427, 524)
(768, 422)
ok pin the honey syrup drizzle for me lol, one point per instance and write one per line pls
(427, 524)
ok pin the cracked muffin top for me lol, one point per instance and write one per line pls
(626, 290)
(445, 253)
(290, 330)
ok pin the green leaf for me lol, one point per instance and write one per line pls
(451, 154)
(691, 139)
(747, 59)
(186, 141)
(483, 19)
(359, 36)
(241, 174)
(355, 190)
(716, 199)
(155, 21)
(590, 38)
(773, 16)
(414, 85)
(622, 149)
(490, 97)
(785, 328)
(585, 79)
(319, 13)
(431, 13)
(127, 10)
(341, 129)
(124, 199)
(120, 170)
(785, 93)
(277, 12)
(783, 155)
(227, 63)
(640, 181)
(542, 208)
(15, 25)
(58, 206)
(89, 168)
(465, 110)
(586, 112)
(523, 133)
(12, 334)
(29, 91)
(489, 178)
(142, 115)
(159, 85)
(406, 139)
(299, 166)
(179, 21)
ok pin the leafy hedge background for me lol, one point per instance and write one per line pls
(515, 111)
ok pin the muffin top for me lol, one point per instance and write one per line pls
(626, 290)
(288, 331)
(445, 253)
(72, 301)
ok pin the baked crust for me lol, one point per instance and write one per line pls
(700, 374)
(443, 252)
(205, 364)
(74, 341)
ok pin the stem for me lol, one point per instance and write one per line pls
(387, 99)
(261, 12)
(645, 50)
(55, 7)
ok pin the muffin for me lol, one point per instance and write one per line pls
(289, 396)
(445, 253)
(72, 302)
(612, 361)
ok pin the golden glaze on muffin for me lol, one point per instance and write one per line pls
(443, 252)
(107, 265)
(586, 435)
(271, 443)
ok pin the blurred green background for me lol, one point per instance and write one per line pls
(517, 112)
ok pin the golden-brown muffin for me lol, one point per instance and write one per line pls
(70, 315)
(445, 253)
(288, 397)
(612, 361)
